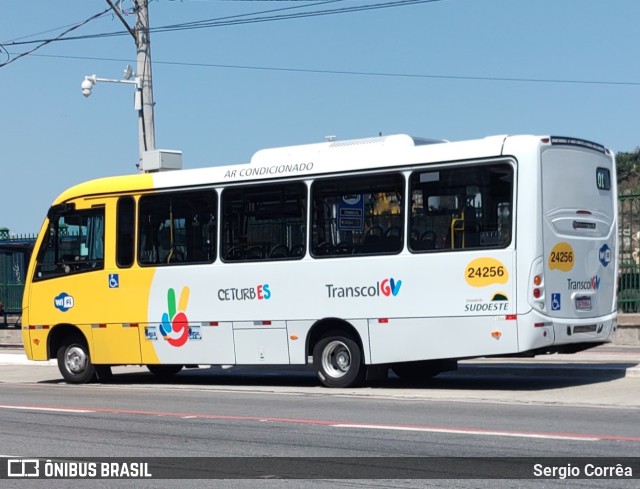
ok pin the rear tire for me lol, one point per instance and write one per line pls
(337, 360)
(164, 371)
(74, 361)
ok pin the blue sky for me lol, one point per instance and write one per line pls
(469, 71)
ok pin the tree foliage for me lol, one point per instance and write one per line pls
(628, 168)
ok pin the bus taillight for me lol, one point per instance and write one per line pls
(538, 289)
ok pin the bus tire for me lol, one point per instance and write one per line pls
(164, 371)
(74, 361)
(337, 360)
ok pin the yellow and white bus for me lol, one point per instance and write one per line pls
(353, 256)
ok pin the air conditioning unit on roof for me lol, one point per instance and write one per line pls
(161, 159)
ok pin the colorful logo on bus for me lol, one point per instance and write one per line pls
(561, 257)
(388, 287)
(63, 302)
(259, 292)
(485, 271)
(592, 284)
(604, 255)
(175, 325)
(499, 302)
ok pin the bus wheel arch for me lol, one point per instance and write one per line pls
(338, 355)
(71, 349)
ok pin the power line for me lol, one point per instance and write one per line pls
(363, 73)
(297, 15)
(241, 19)
(47, 41)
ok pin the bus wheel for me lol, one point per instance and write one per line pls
(164, 371)
(337, 361)
(74, 362)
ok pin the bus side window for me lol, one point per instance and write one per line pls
(361, 215)
(461, 208)
(125, 222)
(264, 222)
(177, 228)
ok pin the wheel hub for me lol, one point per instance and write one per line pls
(336, 359)
(76, 359)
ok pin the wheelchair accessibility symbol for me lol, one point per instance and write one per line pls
(114, 281)
(555, 301)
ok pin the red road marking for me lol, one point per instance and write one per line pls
(340, 424)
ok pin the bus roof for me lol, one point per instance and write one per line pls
(305, 160)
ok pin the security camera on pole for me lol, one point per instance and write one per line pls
(150, 159)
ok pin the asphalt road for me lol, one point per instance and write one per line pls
(479, 411)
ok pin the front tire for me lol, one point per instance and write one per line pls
(337, 360)
(74, 362)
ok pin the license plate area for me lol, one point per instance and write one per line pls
(583, 303)
(585, 328)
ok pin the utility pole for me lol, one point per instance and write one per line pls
(144, 94)
(150, 159)
(146, 126)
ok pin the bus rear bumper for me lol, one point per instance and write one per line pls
(596, 330)
(546, 334)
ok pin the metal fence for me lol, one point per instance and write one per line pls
(15, 251)
(629, 279)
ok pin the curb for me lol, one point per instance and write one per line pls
(532, 370)
(21, 359)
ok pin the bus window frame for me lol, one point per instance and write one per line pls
(120, 239)
(178, 195)
(502, 241)
(248, 193)
(77, 265)
(375, 249)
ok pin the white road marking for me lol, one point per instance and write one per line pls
(461, 431)
(51, 409)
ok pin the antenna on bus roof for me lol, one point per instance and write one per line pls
(330, 138)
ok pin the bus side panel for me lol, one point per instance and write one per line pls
(26, 334)
(65, 300)
(402, 340)
(454, 304)
(297, 332)
(115, 343)
(261, 344)
(199, 343)
(37, 341)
